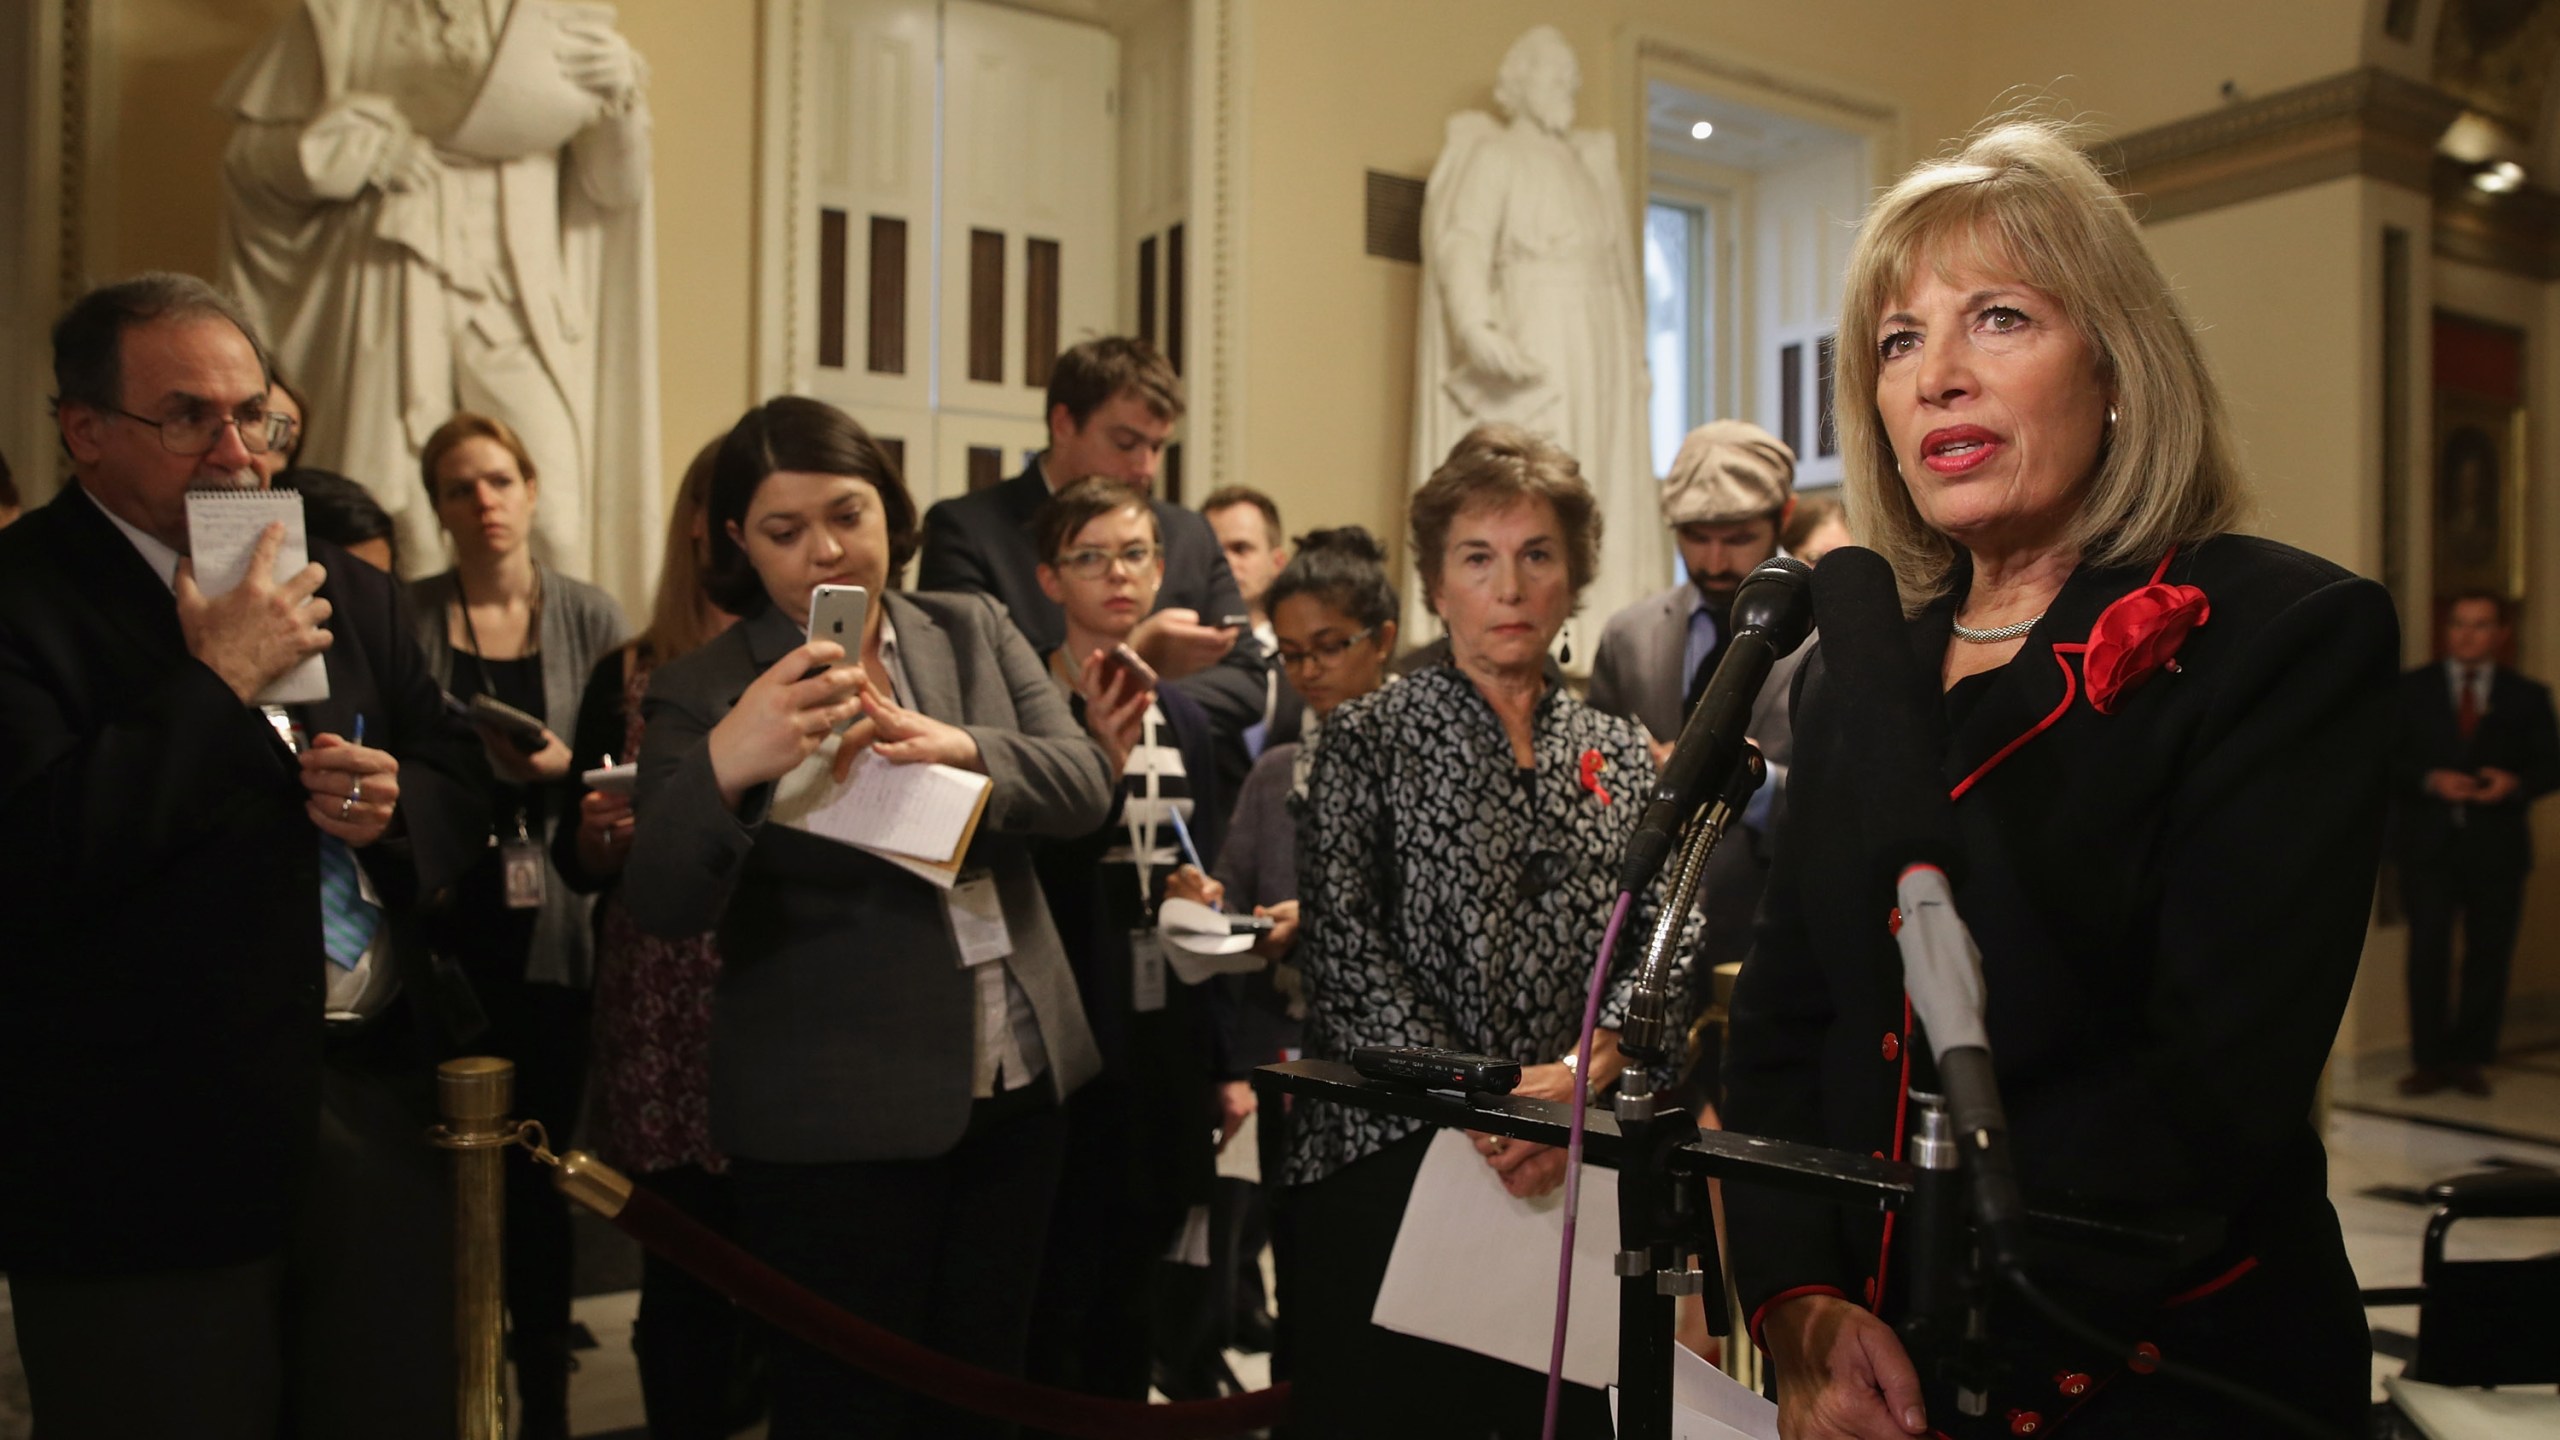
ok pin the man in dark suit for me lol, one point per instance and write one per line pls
(1729, 492)
(2477, 746)
(189, 878)
(1112, 406)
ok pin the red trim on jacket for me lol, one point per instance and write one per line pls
(1752, 1326)
(2211, 1286)
(1901, 1118)
(2070, 692)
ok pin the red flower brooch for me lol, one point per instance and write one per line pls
(2137, 637)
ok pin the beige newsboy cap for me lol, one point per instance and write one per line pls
(1728, 470)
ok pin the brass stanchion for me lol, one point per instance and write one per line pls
(475, 1094)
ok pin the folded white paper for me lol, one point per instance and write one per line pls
(1475, 1268)
(1199, 943)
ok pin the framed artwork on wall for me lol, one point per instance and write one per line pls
(2479, 494)
(2477, 466)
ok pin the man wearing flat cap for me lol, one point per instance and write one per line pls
(1728, 494)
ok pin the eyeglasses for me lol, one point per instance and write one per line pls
(1324, 654)
(1094, 564)
(195, 434)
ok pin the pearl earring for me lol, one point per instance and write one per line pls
(2111, 417)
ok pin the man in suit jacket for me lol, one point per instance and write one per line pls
(1112, 406)
(1247, 524)
(164, 851)
(2477, 746)
(1730, 490)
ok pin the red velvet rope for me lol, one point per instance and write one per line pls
(764, 1291)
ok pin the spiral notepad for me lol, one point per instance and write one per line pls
(222, 529)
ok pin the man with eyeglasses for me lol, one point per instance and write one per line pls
(1113, 403)
(189, 880)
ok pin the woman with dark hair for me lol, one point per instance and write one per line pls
(652, 1072)
(890, 1102)
(346, 515)
(500, 624)
(1334, 612)
(1140, 1166)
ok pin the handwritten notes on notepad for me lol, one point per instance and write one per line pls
(223, 527)
(918, 817)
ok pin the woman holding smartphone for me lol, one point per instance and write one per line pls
(1141, 1162)
(500, 626)
(891, 1102)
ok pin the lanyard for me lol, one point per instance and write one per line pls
(1142, 834)
(479, 652)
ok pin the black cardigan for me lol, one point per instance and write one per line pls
(2170, 901)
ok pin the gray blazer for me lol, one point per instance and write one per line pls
(1637, 674)
(579, 624)
(843, 1026)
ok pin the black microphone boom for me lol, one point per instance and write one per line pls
(1772, 614)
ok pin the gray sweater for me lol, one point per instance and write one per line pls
(578, 624)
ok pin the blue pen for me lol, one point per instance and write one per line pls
(1182, 833)
(359, 727)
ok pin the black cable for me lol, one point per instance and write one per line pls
(2256, 1401)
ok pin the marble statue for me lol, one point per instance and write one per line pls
(434, 205)
(1531, 308)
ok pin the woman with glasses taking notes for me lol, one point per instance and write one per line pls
(1139, 1160)
(1334, 611)
(1460, 847)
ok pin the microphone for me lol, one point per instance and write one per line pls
(1772, 613)
(1910, 829)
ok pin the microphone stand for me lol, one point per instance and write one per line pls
(1663, 1213)
(1944, 1322)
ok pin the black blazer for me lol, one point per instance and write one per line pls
(2516, 733)
(982, 542)
(2170, 903)
(160, 998)
(843, 1025)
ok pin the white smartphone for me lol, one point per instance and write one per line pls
(836, 612)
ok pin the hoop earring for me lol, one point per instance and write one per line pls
(2111, 417)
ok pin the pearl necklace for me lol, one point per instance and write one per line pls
(1998, 633)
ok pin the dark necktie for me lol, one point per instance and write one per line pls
(2466, 716)
(1707, 666)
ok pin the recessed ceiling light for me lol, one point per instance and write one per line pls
(1702, 130)
(2499, 177)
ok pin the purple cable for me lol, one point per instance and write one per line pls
(1573, 1157)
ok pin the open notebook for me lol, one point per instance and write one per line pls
(919, 818)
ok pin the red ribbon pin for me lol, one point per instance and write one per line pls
(1593, 762)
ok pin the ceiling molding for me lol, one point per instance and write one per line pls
(2518, 232)
(2370, 122)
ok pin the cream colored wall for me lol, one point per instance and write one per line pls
(158, 172)
(1342, 86)
(2130, 67)
(2275, 287)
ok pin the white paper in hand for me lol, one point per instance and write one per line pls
(1708, 1404)
(1200, 942)
(1475, 1268)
